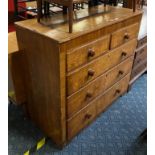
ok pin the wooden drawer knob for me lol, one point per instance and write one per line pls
(120, 72)
(88, 116)
(89, 95)
(126, 36)
(91, 72)
(91, 53)
(124, 54)
(117, 92)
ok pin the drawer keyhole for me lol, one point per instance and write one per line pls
(91, 53)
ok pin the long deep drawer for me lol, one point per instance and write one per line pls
(82, 76)
(112, 94)
(86, 53)
(87, 115)
(124, 35)
(83, 97)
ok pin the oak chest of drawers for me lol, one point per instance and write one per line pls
(69, 79)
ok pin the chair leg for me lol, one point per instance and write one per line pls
(48, 8)
(39, 7)
(45, 8)
(105, 3)
(70, 17)
(64, 10)
(134, 5)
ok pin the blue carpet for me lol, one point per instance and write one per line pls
(115, 132)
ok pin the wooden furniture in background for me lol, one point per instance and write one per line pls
(70, 78)
(138, 3)
(140, 60)
(22, 7)
(12, 43)
(43, 8)
(15, 77)
(68, 4)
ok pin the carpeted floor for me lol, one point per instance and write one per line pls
(115, 132)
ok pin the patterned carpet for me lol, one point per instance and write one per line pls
(115, 132)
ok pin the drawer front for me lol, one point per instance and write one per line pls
(140, 51)
(85, 74)
(121, 53)
(142, 42)
(83, 97)
(86, 53)
(81, 120)
(140, 58)
(118, 72)
(139, 69)
(112, 94)
(123, 35)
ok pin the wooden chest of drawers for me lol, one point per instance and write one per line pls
(69, 79)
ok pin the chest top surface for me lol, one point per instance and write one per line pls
(56, 28)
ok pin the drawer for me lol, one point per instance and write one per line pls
(121, 53)
(112, 94)
(141, 42)
(139, 58)
(82, 76)
(86, 74)
(138, 70)
(81, 120)
(118, 72)
(82, 97)
(86, 53)
(141, 50)
(123, 35)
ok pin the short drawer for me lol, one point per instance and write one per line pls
(118, 72)
(123, 35)
(82, 76)
(112, 94)
(141, 42)
(82, 98)
(81, 120)
(86, 53)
